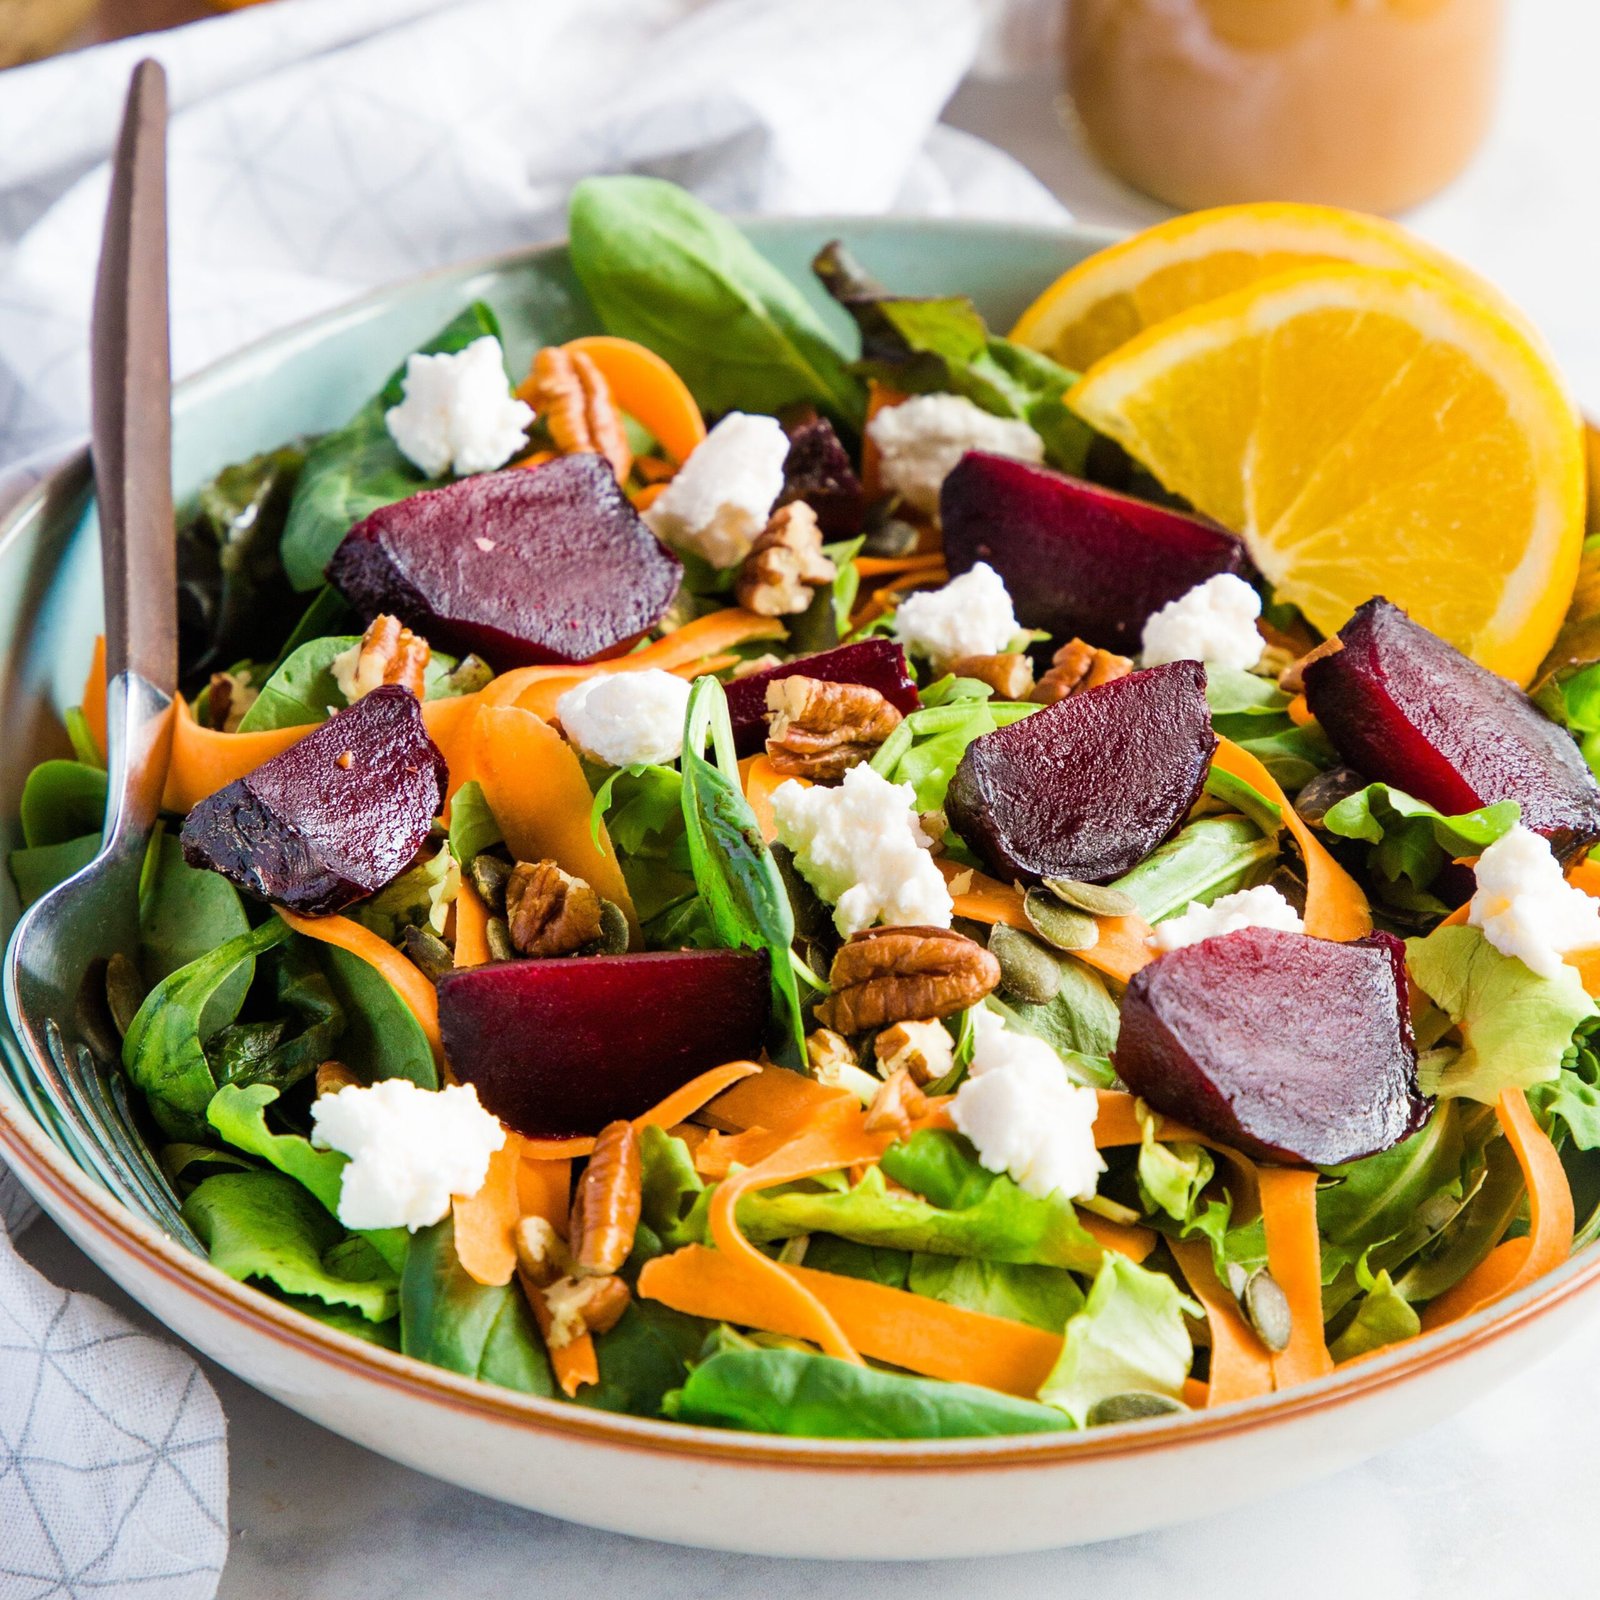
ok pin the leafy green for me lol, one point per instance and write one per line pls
(303, 690)
(473, 828)
(350, 473)
(826, 1252)
(643, 1358)
(927, 746)
(733, 869)
(62, 800)
(1043, 1297)
(820, 1397)
(38, 870)
(662, 268)
(285, 1048)
(1129, 1338)
(184, 913)
(1409, 838)
(1238, 795)
(923, 345)
(449, 1320)
(1231, 692)
(164, 1051)
(669, 1189)
(1384, 1316)
(264, 1225)
(1292, 754)
(1080, 1024)
(643, 810)
(419, 898)
(382, 1037)
(1515, 1026)
(1207, 859)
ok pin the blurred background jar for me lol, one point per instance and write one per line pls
(1367, 103)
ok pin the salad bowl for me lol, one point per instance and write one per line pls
(723, 1489)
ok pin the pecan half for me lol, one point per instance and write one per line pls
(820, 730)
(332, 1076)
(389, 652)
(541, 1252)
(550, 912)
(227, 701)
(577, 1306)
(1010, 674)
(890, 975)
(605, 1209)
(785, 565)
(896, 1106)
(1292, 680)
(1077, 666)
(922, 1048)
(573, 399)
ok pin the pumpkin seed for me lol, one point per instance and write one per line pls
(1134, 1406)
(125, 991)
(1063, 926)
(613, 938)
(1029, 971)
(490, 874)
(1098, 899)
(499, 937)
(427, 951)
(1267, 1307)
(894, 536)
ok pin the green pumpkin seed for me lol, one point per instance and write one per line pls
(125, 991)
(613, 938)
(428, 951)
(490, 874)
(1098, 899)
(1063, 926)
(1029, 971)
(499, 936)
(1267, 1307)
(1134, 1406)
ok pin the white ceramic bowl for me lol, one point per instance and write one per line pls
(729, 1490)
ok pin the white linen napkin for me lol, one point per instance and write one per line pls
(318, 148)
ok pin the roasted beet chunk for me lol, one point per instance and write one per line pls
(522, 567)
(334, 817)
(878, 663)
(1088, 787)
(1404, 707)
(1079, 561)
(1288, 1048)
(564, 1047)
(818, 470)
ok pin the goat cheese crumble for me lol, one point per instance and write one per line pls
(458, 413)
(920, 441)
(723, 494)
(1215, 622)
(1261, 907)
(860, 846)
(626, 718)
(1526, 908)
(1024, 1115)
(410, 1150)
(970, 616)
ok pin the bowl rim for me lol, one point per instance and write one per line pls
(46, 1170)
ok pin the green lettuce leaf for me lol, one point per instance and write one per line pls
(473, 828)
(1384, 1316)
(1043, 1297)
(1409, 838)
(1204, 861)
(927, 746)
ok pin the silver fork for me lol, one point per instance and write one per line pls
(55, 967)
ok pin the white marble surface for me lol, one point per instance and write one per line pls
(1496, 1503)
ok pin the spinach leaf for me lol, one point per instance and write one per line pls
(820, 1397)
(1043, 1297)
(1207, 859)
(351, 473)
(643, 810)
(272, 1050)
(927, 746)
(645, 1356)
(1243, 797)
(1293, 755)
(384, 1334)
(664, 269)
(1080, 1024)
(184, 913)
(1408, 838)
(303, 689)
(38, 870)
(449, 1320)
(942, 344)
(733, 869)
(472, 825)
(826, 1252)
(382, 1037)
(62, 800)
(264, 1225)
(164, 1051)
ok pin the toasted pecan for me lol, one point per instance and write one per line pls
(550, 912)
(605, 1209)
(1077, 666)
(922, 1047)
(785, 566)
(389, 652)
(888, 975)
(573, 399)
(898, 1104)
(332, 1076)
(819, 730)
(1292, 680)
(583, 1305)
(1009, 674)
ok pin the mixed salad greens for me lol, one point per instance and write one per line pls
(871, 920)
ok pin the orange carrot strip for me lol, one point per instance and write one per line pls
(1585, 876)
(546, 1195)
(688, 1098)
(485, 1221)
(544, 1188)
(1300, 712)
(647, 389)
(420, 997)
(760, 778)
(1117, 1123)
(1119, 952)
(646, 497)
(93, 704)
(1241, 1366)
(1335, 906)
(878, 601)
(1196, 1395)
(775, 1099)
(914, 1332)
(578, 1145)
(717, 1154)
(890, 566)
(1294, 1257)
(1133, 1242)
(204, 760)
(879, 397)
(536, 789)
(1516, 1263)
(472, 927)
(450, 724)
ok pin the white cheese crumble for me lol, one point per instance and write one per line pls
(1261, 907)
(410, 1150)
(920, 441)
(970, 616)
(723, 494)
(1214, 622)
(459, 413)
(860, 846)
(1024, 1115)
(1526, 908)
(625, 718)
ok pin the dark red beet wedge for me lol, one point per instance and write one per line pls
(1288, 1048)
(1088, 787)
(334, 817)
(523, 567)
(1080, 561)
(819, 471)
(878, 663)
(1404, 707)
(564, 1047)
